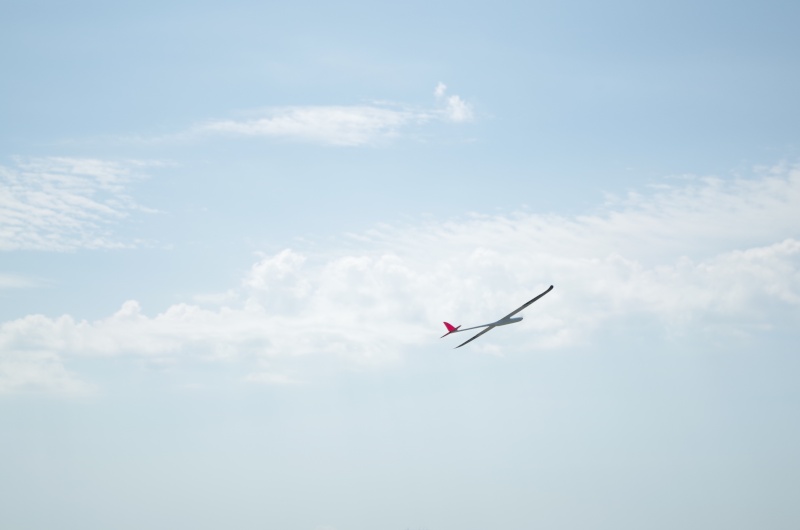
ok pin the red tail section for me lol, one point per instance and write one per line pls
(450, 329)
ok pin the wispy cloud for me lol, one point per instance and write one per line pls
(339, 125)
(16, 281)
(456, 109)
(59, 204)
(342, 125)
(698, 258)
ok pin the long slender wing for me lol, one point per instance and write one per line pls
(476, 336)
(511, 314)
(526, 304)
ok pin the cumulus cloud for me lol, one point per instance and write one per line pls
(59, 204)
(342, 125)
(35, 370)
(689, 258)
(455, 109)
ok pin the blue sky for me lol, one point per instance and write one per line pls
(229, 234)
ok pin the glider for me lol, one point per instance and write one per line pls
(502, 322)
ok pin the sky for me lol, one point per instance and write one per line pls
(230, 233)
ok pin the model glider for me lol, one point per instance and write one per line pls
(502, 322)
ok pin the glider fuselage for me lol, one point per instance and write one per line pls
(506, 321)
(501, 322)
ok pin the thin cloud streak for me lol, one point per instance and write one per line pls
(704, 260)
(342, 125)
(335, 125)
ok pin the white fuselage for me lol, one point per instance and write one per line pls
(501, 322)
(506, 321)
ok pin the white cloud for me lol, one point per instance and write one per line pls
(455, 109)
(58, 204)
(342, 125)
(700, 257)
(30, 370)
(458, 110)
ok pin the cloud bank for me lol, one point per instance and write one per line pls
(62, 204)
(694, 259)
(342, 125)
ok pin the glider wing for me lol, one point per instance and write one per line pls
(476, 336)
(511, 314)
(526, 304)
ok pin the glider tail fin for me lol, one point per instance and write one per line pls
(450, 329)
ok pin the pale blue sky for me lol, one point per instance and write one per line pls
(229, 234)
